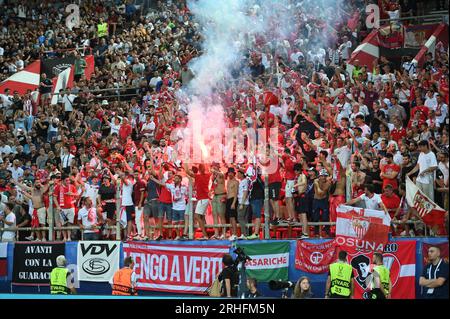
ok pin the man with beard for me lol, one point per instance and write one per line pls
(374, 174)
(389, 172)
(434, 278)
(36, 194)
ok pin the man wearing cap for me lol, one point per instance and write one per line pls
(59, 282)
(320, 201)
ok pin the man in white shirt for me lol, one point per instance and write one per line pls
(9, 220)
(430, 100)
(345, 48)
(371, 200)
(16, 171)
(426, 165)
(88, 216)
(441, 109)
(66, 159)
(243, 200)
(127, 201)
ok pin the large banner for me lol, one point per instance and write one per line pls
(428, 210)
(444, 251)
(270, 261)
(3, 259)
(33, 262)
(175, 268)
(53, 67)
(417, 35)
(363, 229)
(314, 258)
(399, 257)
(97, 260)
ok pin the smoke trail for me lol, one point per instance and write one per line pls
(229, 30)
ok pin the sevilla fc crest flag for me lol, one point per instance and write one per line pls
(399, 257)
(362, 229)
(430, 212)
(314, 258)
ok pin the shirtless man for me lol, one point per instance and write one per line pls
(231, 204)
(36, 194)
(338, 196)
(302, 204)
(320, 201)
(218, 201)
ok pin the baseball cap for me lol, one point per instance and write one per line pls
(323, 172)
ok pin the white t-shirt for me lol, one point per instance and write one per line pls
(243, 186)
(444, 171)
(114, 128)
(83, 215)
(127, 193)
(179, 195)
(5, 149)
(9, 235)
(16, 173)
(372, 203)
(91, 191)
(426, 161)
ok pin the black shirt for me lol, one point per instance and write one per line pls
(107, 192)
(257, 190)
(232, 274)
(256, 294)
(434, 272)
(375, 176)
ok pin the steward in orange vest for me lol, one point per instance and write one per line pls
(124, 281)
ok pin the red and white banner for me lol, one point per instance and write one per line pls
(22, 81)
(175, 268)
(428, 210)
(399, 257)
(362, 229)
(314, 258)
(3, 259)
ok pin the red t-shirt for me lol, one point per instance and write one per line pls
(165, 196)
(288, 167)
(125, 131)
(202, 185)
(398, 134)
(139, 187)
(68, 201)
(275, 177)
(388, 168)
(391, 203)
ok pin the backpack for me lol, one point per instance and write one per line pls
(216, 288)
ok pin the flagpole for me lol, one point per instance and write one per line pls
(118, 232)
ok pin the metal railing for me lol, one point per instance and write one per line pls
(430, 18)
(288, 228)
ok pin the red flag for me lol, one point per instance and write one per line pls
(399, 257)
(363, 229)
(314, 258)
(428, 210)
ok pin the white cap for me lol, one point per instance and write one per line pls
(105, 102)
(60, 261)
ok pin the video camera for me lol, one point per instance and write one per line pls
(241, 256)
(278, 284)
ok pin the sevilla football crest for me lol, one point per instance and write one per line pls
(360, 226)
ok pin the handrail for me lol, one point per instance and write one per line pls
(440, 16)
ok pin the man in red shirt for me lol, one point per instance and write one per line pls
(201, 180)
(125, 130)
(274, 183)
(165, 204)
(389, 172)
(64, 196)
(398, 132)
(289, 175)
(138, 199)
(391, 201)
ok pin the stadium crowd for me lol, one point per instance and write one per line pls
(347, 138)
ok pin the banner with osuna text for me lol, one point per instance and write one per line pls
(399, 257)
(97, 260)
(33, 262)
(363, 229)
(314, 258)
(175, 268)
(270, 261)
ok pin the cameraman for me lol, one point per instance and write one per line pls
(229, 277)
